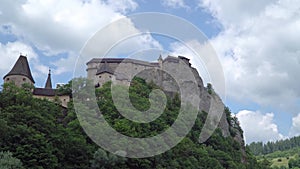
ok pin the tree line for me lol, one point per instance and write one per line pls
(259, 148)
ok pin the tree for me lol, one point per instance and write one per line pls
(209, 88)
(7, 161)
(106, 160)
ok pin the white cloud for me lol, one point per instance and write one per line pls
(233, 12)
(259, 49)
(56, 27)
(11, 51)
(122, 6)
(295, 129)
(258, 126)
(174, 4)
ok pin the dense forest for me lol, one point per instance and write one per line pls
(259, 148)
(282, 154)
(37, 133)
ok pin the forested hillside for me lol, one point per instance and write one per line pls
(37, 133)
(259, 148)
(282, 154)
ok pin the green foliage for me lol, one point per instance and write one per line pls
(294, 163)
(65, 89)
(31, 130)
(105, 160)
(258, 148)
(280, 159)
(42, 135)
(139, 95)
(7, 161)
(217, 152)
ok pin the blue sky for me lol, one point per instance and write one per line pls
(257, 44)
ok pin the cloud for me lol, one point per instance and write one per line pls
(122, 6)
(233, 12)
(258, 127)
(174, 4)
(258, 46)
(11, 51)
(295, 129)
(56, 27)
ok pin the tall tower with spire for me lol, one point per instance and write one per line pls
(48, 84)
(20, 73)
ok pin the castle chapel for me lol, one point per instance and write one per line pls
(21, 74)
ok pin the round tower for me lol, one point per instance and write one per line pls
(20, 73)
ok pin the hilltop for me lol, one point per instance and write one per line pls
(41, 132)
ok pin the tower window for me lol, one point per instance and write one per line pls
(24, 79)
(7, 79)
(99, 76)
(109, 76)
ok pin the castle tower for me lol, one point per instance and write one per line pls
(48, 84)
(104, 74)
(20, 73)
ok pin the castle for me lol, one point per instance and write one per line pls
(21, 74)
(102, 70)
(122, 70)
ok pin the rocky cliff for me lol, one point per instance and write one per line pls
(175, 76)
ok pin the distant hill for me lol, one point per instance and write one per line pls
(281, 154)
(259, 148)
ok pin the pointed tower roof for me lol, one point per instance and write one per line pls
(21, 67)
(48, 84)
(160, 58)
(104, 68)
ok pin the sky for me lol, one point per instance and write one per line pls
(257, 43)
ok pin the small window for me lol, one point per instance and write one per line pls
(7, 79)
(99, 76)
(24, 79)
(109, 76)
(64, 100)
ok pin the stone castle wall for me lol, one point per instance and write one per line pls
(18, 80)
(64, 100)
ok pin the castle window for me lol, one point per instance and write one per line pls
(109, 76)
(24, 79)
(7, 79)
(99, 76)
